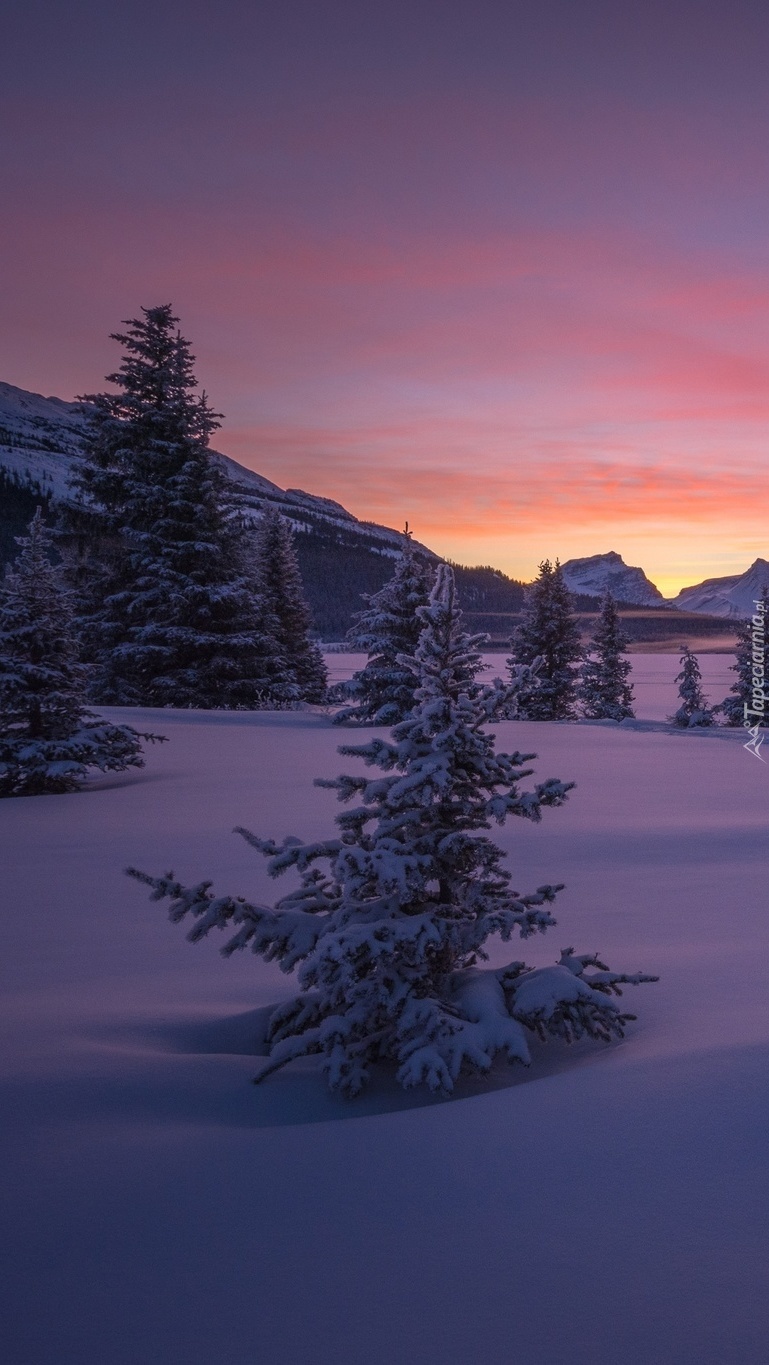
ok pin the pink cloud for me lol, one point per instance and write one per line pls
(561, 488)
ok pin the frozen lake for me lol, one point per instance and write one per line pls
(653, 677)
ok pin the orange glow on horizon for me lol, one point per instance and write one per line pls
(679, 524)
(516, 387)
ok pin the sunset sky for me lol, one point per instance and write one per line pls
(497, 268)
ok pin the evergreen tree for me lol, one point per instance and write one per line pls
(741, 691)
(19, 497)
(48, 740)
(604, 690)
(387, 940)
(169, 611)
(549, 634)
(300, 668)
(388, 630)
(733, 706)
(694, 710)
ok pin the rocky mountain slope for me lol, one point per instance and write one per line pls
(730, 597)
(733, 596)
(41, 438)
(340, 557)
(592, 576)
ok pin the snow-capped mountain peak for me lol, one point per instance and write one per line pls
(594, 574)
(730, 596)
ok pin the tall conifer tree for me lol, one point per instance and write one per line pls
(550, 634)
(604, 689)
(169, 612)
(388, 630)
(48, 739)
(301, 671)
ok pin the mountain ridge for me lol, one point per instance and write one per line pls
(340, 556)
(732, 596)
(592, 575)
(41, 438)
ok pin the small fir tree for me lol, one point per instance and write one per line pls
(388, 630)
(741, 691)
(301, 673)
(387, 941)
(48, 740)
(694, 710)
(168, 609)
(604, 690)
(549, 634)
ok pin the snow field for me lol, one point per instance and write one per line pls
(610, 1204)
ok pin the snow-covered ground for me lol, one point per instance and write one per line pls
(608, 1205)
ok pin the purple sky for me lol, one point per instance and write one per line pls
(501, 269)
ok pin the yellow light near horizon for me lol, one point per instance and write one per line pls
(669, 562)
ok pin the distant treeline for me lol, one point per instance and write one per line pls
(641, 625)
(337, 574)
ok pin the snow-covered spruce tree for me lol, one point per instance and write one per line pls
(741, 691)
(387, 940)
(48, 740)
(550, 634)
(285, 615)
(167, 608)
(694, 710)
(604, 690)
(733, 706)
(387, 629)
